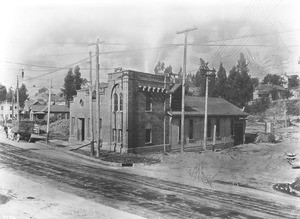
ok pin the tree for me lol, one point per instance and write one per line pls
(3, 93)
(77, 78)
(272, 79)
(69, 88)
(9, 95)
(240, 87)
(293, 81)
(200, 77)
(221, 82)
(23, 95)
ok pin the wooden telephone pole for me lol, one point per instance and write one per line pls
(206, 107)
(98, 133)
(18, 101)
(186, 31)
(91, 107)
(48, 115)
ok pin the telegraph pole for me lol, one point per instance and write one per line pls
(165, 87)
(48, 116)
(97, 99)
(91, 107)
(183, 83)
(206, 103)
(18, 101)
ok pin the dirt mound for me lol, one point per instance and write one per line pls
(265, 137)
(60, 126)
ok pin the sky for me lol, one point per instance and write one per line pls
(46, 38)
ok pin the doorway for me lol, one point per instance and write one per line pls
(238, 134)
(81, 129)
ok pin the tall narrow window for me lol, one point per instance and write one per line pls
(121, 102)
(179, 130)
(208, 128)
(115, 102)
(218, 128)
(120, 135)
(191, 129)
(148, 103)
(114, 135)
(148, 135)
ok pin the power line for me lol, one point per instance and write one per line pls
(69, 43)
(51, 72)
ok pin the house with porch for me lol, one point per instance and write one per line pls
(136, 109)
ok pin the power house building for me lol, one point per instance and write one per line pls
(133, 109)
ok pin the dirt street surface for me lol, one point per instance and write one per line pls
(41, 182)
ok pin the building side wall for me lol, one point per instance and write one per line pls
(198, 130)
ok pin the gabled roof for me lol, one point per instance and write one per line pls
(57, 109)
(37, 108)
(268, 87)
(216, 107)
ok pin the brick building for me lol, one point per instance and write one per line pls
(132, 114)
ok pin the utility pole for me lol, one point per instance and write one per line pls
(48, 115)
(91, 107)
(18, 102)
(183, 83)
(165, 87)
(206, 103)
(97, 99)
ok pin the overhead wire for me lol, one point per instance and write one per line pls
(244, 40)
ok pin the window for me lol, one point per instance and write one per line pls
(191, 129)
(1, 107)
(218, 128)
(120, 135)
(10, 115)
(148, 135)
(148, 103)
(115, 102)
(208, 128)
(232, 127)
(15, 107)
(114, 137)
(10, 108)
(121, 102)
(72, 125)
(179, 130)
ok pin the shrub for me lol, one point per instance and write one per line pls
(258, 106)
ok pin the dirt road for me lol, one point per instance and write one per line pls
(140, 195)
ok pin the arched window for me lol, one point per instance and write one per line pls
(115, 102)
(121, 102)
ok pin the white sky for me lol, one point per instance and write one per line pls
(44, 33)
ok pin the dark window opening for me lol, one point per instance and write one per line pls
(191, 129)
(179, 131)
(115, 102)
(121, 102)
(148, 135)
(218, 128)
(208, 128)
(232, 127)
(148, 103)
